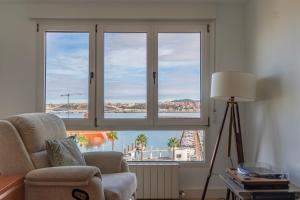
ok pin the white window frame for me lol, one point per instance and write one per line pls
(204, 79)
(96, 65)
(112, 123)
(43, 28)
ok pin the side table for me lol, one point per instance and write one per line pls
(12, 188)
(237, 192)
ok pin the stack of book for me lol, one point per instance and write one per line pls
(261, 182)
(256, 182)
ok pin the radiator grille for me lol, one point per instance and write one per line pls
(157, 181)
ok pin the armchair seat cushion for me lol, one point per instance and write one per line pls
(119, 186)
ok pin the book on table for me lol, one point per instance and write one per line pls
(256, 183)
(261, 170)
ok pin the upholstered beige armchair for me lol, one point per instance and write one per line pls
(106, 177)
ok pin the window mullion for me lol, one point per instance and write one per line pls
(152, 69)
(155, 69)
(91, 80)
(99, 77)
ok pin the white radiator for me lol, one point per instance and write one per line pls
(156, 181)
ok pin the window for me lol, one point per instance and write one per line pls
(183, 75)
(125, 75)
(179, 75)
(177, 145)
(67, 60)
(123, 84)
(128, 76)
(67, 74)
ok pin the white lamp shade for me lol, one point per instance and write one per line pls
(240, 85)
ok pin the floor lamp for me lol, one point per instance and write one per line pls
(232, 87)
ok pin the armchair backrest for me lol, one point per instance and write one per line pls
(14, 158)
(35, 129)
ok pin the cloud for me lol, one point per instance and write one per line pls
(125, 40)
(66, 40)
(68, 63)
(67, 66)
(133, 58)
(125, 49)
(63, 84)
(126, 89)
(178, 49)
(172, 84)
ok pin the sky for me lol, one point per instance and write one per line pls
(125, 64)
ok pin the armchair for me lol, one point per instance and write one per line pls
(106, 177)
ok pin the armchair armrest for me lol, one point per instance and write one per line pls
(108, 162)
(66, 176)
(64, 183)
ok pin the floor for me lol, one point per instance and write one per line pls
(209, 199)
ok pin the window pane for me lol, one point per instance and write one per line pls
(67, 69)
(185, 145)
(125, 71)
(179, 68)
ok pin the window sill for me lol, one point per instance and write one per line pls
(201, 164)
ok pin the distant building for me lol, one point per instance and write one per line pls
(192, 145)
(184, 154)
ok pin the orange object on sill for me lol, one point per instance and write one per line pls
(12, 188)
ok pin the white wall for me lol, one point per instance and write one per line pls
(273, 53)
(18, 70)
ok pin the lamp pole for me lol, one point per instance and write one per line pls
(234, 123)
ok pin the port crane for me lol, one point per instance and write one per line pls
(68, 95)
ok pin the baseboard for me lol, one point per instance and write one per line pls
(217, 192)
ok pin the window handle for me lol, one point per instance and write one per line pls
(154, 77)
(91, 77)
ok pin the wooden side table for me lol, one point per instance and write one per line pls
(239, 193)
(12, 188)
